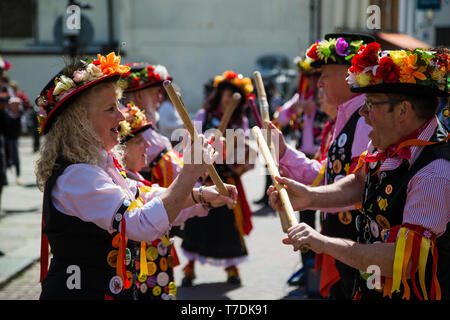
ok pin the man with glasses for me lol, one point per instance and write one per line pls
(402, 183)
(334, 56)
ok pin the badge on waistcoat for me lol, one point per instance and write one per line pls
(345, 217)
(342, 140)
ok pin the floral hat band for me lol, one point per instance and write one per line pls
(135, 122)
(416, 72)
(71, 81)
(304, 65)
(337, 48)
(143, 75)
(244, 84)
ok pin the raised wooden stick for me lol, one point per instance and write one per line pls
(181, 109)
(287, 216)
(228, 112)
(264, 108)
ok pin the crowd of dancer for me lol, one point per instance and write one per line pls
(371, 155)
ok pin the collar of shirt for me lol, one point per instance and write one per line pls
(345, 111)
(110, 167)
(412, 152)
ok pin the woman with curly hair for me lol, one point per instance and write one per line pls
(92, 214)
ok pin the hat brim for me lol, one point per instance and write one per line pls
(136, 132)
(144, 86)
(404, 88)
(60, 106)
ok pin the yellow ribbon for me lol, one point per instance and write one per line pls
(398, 260)
(320, 175)
(143, 260)
(164, 172)
(423, 256)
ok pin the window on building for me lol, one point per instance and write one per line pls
(16, 20)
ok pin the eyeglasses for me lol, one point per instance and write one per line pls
(370, 104)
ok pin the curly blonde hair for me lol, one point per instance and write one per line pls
(72, 137)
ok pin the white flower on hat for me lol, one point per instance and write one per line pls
(162, 71)
(64, 84)
(94, 71)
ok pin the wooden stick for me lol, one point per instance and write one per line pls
(264, 108)
(287, 215)
(228, 112)
(181, 109)
(262, 98)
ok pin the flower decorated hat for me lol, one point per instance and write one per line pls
(73, 80)
(337, 48)
(237, 80)
(304, 66)
(422, 72)
(4, 64)
(143, 75)
(135, 122)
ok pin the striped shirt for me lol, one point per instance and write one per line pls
(427, 201)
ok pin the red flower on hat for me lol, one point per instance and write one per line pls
(49, 94)
(230, 74)
(135, 82)
(312, 52)
(368, 57)
(388, 70)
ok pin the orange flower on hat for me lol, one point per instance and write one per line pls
(111, 64)
(410, 71)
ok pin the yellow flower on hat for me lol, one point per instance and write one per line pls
(363, 79)
(125, 128)
(397, 56)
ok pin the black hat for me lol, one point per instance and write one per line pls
(337, 48)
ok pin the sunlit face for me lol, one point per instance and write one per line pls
(104, 114)
(332, 81)
(380, 119)
(135, 153)
(152, 97)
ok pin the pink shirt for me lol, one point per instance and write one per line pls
(427, 201)
(284, 116)
(304, 170)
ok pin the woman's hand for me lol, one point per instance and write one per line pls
(299, 194)
(198, 155)
(212, 196)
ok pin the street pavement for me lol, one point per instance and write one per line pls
(264, 274)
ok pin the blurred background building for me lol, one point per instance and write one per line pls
(198, 39)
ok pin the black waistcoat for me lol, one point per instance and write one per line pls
(384, 200)
(339, 159)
